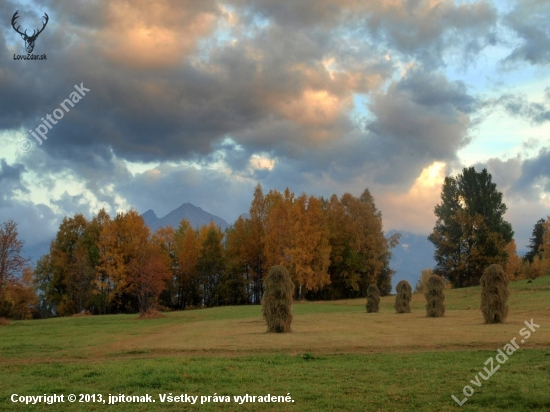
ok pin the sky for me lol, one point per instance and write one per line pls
(200, 100)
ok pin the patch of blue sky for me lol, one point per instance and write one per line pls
(360, 113)
(479, 74)
(503, 136)
(261, 22)
(256, 25)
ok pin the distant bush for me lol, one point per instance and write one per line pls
(4, 322)
(151, 314)
(373, 299)
(277, 300)
(403, 298)
(420, 286)
(494, 294)
(435, 297)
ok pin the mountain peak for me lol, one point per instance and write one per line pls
(149, 217)
(194, 214)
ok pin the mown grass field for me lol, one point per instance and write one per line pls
(338, 357)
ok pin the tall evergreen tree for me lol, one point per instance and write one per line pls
(210, 266)
(256, 244)
(470, 232)
(536, 241)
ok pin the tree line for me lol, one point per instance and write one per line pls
(333, 248)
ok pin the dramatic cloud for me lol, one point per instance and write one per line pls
(535, 173)
(413, 210)
(421, 119)
(10, 181)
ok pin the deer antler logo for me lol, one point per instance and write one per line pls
(29, 40)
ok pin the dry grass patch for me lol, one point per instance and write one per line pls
(83, 313)
(339, 333)
(151, 314)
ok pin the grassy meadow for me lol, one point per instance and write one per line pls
(338, 357)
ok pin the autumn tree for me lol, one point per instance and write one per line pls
(47, 295)
(545, 249)
(210, 265)
(12, 262)
(308, 253)
(187, 248)
(121, 246)
(112, 263)
(470, 232)
(65, 276)
(513, 262)
(148, 271)
(544, 261)
(91, 241)
(164, 237)
(277, 228)
(360, 253)
(21, 301)
(255, 249)
(422, 282)
(236, 284)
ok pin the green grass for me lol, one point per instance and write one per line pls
(375, 382)
(337, 359)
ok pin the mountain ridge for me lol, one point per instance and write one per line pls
(194, 214)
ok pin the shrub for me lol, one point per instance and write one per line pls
(403, 298)
(494, 294)
(277, 300)
(4, 322)
(435, 296)
(373, 299)
(420, 286)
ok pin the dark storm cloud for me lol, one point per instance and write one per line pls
(10, 181)
(433, 32)
(521, 177)
(28, 216)
(530, 20)
(269, 92)
(95, 169)
(421, 119)
(505, 172)
(535, 171)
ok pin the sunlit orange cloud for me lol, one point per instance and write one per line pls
(313, 107)
(154, 34)
(414, 210)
